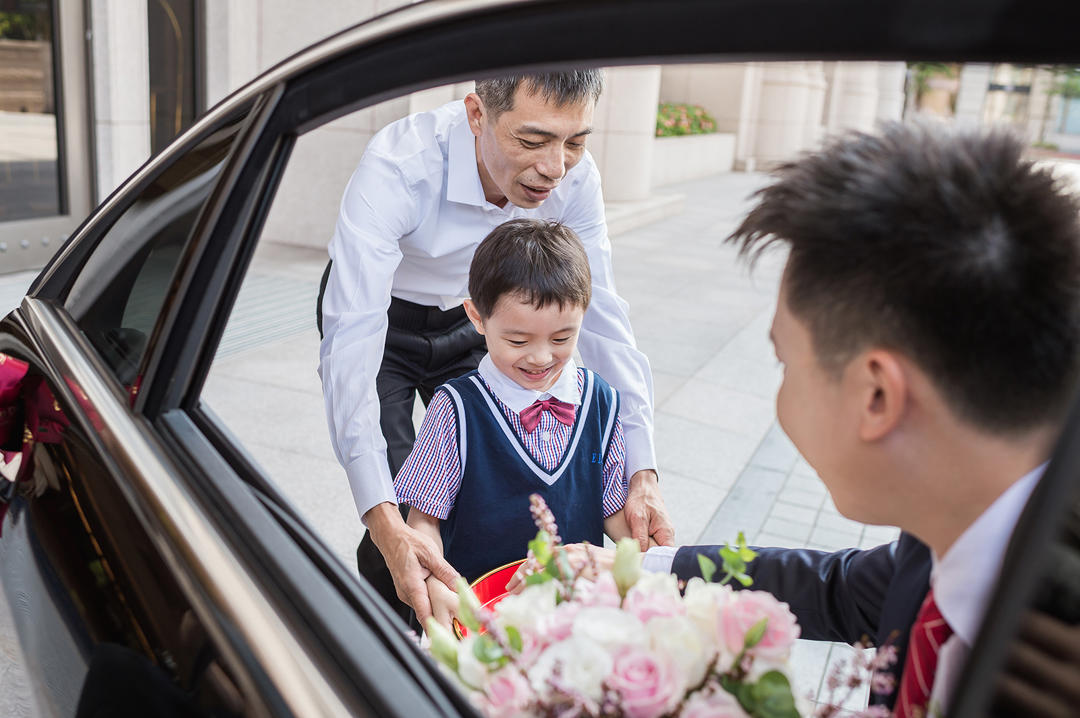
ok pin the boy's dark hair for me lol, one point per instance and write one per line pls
(542, 261)
(947, 246)
(561, 88)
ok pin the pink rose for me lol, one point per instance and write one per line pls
(507, 693)
(557, 625)
(716, 703)
(648, 685)
(747, 608)
(647, 605)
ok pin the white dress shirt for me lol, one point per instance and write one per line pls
(411, 218)
(965, 576)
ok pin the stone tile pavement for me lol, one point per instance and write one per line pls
(699, 315)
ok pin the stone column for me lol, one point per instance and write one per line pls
(971, 97)
(853, 100)
(120, 61)
(891, 77)
(815, 103)
(785, 99)
(624, 131)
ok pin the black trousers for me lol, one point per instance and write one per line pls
(425, 347)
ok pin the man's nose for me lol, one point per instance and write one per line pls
(552, 164)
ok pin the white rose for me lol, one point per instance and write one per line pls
(666, 584)
(704, 602)
(523, 610)
(470, 670)
(679, 638)
(583, 665)
(609, 627)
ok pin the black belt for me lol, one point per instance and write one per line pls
(410, 316)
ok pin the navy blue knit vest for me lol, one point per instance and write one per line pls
(490, 524)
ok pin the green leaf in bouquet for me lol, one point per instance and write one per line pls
(770, 697)
(443, 645)
(708, 567)
(514, 636)
(734, 560)
(756, 633)
(541, 547)
(468, 605)
(535, 579)
(487, 651)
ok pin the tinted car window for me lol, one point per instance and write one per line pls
(121, 291)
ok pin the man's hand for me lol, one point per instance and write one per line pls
(645, 511)
(411, 557)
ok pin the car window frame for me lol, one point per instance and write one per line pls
(395, 62)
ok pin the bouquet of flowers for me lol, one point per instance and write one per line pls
(623, 643)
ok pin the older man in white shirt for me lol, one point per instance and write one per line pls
(428, 188)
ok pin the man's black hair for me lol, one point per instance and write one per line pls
(947, 246)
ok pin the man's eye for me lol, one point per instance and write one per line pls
(561, 340)
(516, 342)
(530, 145)
(575, 145)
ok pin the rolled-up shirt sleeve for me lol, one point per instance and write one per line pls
(607, 342)
(377, 209)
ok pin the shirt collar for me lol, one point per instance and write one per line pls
(964, 577)
(463, 176)
(518, 397)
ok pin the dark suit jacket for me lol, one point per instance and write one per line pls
(841, 596)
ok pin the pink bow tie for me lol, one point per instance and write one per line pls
(530, 415)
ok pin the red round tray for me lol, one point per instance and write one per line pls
(490, 589)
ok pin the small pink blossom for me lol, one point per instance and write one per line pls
(716, 703)
(648, 685)
(746, 609)
(507, 693)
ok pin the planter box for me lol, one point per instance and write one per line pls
(678, 159)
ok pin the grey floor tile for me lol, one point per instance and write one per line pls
(690, 505)
(791, 512)
(779, 526)
(835, 540)
(776, 451)
(722, 408)
(801, 497)
(700, 452)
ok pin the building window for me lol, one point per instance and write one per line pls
(30, 153)
(175, 78)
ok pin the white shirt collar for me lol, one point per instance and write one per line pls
(463, 175)
(965, 576)
(518, 397)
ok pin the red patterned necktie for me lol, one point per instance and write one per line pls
(927, 636)
(530, 415)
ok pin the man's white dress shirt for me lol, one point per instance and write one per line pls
(412, 215)
(965, 576)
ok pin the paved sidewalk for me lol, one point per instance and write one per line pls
(700, 316)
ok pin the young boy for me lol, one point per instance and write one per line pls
(527, 420)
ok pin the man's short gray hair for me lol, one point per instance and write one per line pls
(561, 88)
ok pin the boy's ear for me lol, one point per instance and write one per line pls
(476, 112)
(474, 316)
(883, 393)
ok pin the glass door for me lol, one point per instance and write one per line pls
(45, 185)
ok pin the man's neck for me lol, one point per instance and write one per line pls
(975, 472)
(492, 193)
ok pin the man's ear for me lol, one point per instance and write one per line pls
(475, 112)
(474, 316)
(884, 394)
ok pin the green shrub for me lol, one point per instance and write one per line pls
(680, 118)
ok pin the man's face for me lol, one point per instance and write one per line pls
(529, 345)
(816, 410)
(523, 153)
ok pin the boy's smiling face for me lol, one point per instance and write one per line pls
(529, 345)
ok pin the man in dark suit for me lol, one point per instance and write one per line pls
(928, 323)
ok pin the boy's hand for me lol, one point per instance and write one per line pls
(444, 602)
(410, 555)
(645, 511)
